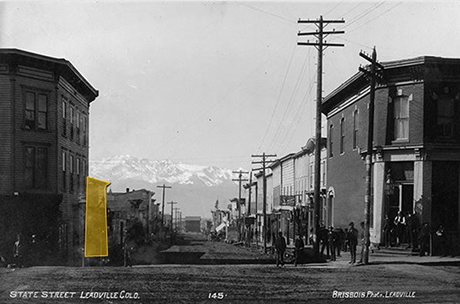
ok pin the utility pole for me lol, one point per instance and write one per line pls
(172, 203)
(248, 211)
(374, 72)
(176, 213)
(264, 165)
(172, 217)
(163, 203)
(239, 180)
(320, 45)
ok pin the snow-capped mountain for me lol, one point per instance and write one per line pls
(130, 167)
(195, 188)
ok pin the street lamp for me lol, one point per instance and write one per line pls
(389, 184)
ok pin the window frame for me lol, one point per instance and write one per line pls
(331, 142)
(402, 121)
(355, 129)
(36, 111)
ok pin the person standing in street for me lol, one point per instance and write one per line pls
(363, 243)
(299, 245)
(352, 242)
(332, 239)
(17, 252)
(400, 223)
(280, 246)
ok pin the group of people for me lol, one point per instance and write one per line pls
(331, 240)
(404, 228)
(407, 229)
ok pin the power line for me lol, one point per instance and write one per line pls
(265, 12)
(333, 8)
(372, 20)
(279, 98)
(365, 13)
(290, 101)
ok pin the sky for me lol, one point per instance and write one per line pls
(211, 82)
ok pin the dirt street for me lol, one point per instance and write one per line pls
(232, 284)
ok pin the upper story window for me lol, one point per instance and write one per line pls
(355, 129)
(64, 170)
(401, 117)
(64, 117)
(331, 129)
(77, 123)
(71, 119)
(36, 111)
(446, 114)
(342, 135)
(35, 167)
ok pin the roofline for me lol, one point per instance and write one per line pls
(59, 61)
(359, 76)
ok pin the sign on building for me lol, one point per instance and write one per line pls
(287, 200)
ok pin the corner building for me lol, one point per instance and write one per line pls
(416, 148)
(44, 113)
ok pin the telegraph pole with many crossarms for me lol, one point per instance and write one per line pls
(163, 203)
(264, 162)
(320, 45)
(239, 180)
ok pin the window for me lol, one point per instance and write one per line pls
(78, 173)
(77, 123)
(401, 117)
(71, 167)
(323, 173)
(36, 111)
(446, 112)
(64, 168)
(64, 117)
(342, 135)
(35, 167)
(331, 129)
(71, 114)
(42, 111)
(84, 128)
(311, 176)
(355, 129)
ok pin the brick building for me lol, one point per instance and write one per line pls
(416, 144)
(44, 112)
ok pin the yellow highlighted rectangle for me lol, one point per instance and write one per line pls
(96, 241)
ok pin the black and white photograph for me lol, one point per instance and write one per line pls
(229, 151)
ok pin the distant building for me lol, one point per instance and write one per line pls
(44, 121)
(126, 207)
(193, 223)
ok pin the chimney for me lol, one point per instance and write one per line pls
(127, 190)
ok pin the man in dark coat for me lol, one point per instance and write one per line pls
(424, 239)
(324, 239)
(299, 245)
(332, 239)
(352, 242)
(280, 246)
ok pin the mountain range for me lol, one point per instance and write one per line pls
(195, 188)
